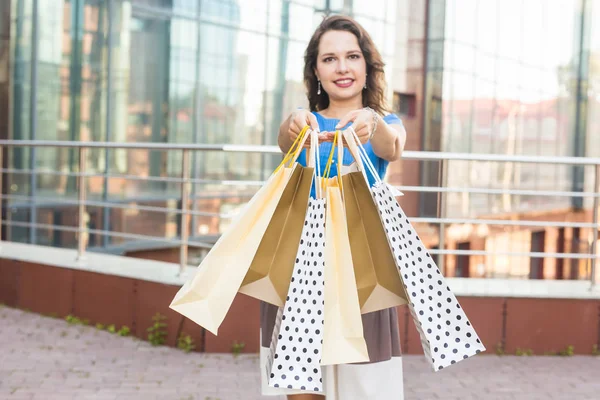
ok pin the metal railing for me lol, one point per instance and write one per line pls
(186, 181)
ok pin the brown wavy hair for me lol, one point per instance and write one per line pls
(374, 95)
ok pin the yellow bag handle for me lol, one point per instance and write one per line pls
(327, 170)
(295, 149)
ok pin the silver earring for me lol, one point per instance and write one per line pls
(366, 81)
(319, 88)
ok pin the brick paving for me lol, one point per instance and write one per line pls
(46, 358)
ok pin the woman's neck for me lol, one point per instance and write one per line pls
(338, 109)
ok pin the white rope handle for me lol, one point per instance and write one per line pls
(366, 159)
(314, 148)
(340, 160)
(393, 189)
(355, 153)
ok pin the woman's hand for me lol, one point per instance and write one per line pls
(293, 125)
(363, 123)
(298, 120)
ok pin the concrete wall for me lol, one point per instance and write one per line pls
(541, 325)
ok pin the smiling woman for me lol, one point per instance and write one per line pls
(341, 50)
(345, 83)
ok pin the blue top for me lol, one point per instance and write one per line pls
(328, 124)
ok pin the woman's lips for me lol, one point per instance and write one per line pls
(344, 83)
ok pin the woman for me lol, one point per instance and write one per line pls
(345, 80)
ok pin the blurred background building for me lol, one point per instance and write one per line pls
(507, 77)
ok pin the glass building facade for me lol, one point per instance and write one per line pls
(516, 77)
(162, 71)
(513, 77)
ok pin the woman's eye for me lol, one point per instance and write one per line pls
(354, 56)
(328, 59)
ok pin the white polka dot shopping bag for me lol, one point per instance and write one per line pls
(320, 323)
(447, 335)
(295, 358)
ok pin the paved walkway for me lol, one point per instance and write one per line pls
(47, 359)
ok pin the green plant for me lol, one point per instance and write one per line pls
(124, 331)
(523, 352)
(236, 348)
(568, 351)
(185, 343)
(157, 333)
(595, 351)
(73, 320)
(500, 349)
(100, 326)
(111, 328)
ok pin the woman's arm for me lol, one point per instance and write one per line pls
(284, 140)
(389, 140)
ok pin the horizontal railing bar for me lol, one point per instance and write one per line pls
(407, 155)
(228, 148)
(51, 202)
(121, 235)
(501, 222)
(123, 206)
(437, 156)
(429, 189)
(575, 256)
(208, 245)
(132, 177)
(517, 192)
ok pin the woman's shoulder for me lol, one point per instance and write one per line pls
(392, 119)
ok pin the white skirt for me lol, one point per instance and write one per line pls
(375, 381)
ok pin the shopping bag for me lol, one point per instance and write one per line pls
(268, 277)
(446, 333)
(296, 345)
(377, 280)
(343, 340)
(207, 296)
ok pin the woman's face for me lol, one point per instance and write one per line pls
(341, 66)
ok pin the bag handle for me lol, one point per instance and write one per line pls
(340, 160)
(314, 161)
(350, 141)
(361, 150)
(295, 150)
(327, 171)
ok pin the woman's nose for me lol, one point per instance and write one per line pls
(342, 67)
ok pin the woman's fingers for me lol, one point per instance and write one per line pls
(312, 121)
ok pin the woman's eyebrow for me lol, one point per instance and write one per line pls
(348, 52)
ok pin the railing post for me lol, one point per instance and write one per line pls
(442, 214)
(593, 247)
(185, 191)
(82, 231)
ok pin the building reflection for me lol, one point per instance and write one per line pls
(501, 77)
